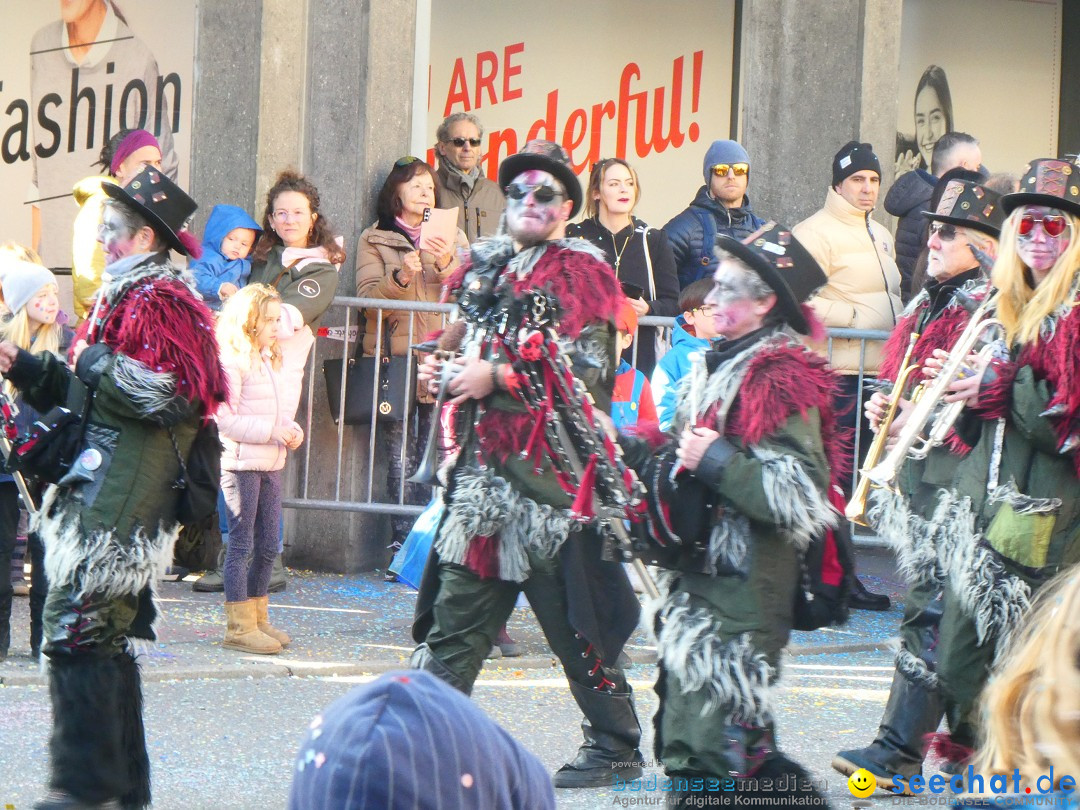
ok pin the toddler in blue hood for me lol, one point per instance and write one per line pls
(230, 234)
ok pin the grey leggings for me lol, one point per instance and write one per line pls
(253, 509)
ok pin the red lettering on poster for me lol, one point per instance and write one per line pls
(651, 119)
(487, 68)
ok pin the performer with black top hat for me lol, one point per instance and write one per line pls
(512, 510)
(148, 359)
(964, 230)
(1012, 515)
(769, 451)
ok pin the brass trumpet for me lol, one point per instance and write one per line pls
(856, 507)
(925, 413)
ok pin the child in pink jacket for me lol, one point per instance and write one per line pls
(264, 349)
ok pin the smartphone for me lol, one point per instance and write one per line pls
(632, 290)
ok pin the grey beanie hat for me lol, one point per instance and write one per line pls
(723, 152)
(21, 281)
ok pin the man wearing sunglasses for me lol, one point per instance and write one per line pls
(968, 218)
(720, 208)
(509, 526)
(460, 182)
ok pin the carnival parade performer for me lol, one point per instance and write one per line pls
(768, 453)
(147, 360)
(967, 219)
(509, 525)
(1013, 513)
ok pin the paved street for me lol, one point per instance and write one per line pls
(223, 727)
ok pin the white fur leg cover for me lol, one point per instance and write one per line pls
(100, 562)
(912, 539)
(799, 506)
(482, 504)
(995, 599)
(737, 679)
(914, 669)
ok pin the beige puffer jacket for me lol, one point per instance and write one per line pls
(863, 291)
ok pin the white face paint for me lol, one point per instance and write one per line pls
(737, 306)
(530, 221)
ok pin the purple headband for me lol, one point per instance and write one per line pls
(132, 143)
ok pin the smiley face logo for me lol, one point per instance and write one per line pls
(862, 783)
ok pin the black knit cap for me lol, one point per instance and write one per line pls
(853, 157)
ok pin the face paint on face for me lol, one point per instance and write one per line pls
(45, 306)
(737, 309)
(1038, 250)
(114, 239)
(529, 221)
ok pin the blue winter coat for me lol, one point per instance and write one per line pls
(672, 367)
(213, 269)
(686, 233)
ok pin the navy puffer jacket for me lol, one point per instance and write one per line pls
(686, 234)
(907, 199)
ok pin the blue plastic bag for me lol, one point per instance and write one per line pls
(409, 562)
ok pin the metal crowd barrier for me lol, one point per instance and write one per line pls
(364, 442)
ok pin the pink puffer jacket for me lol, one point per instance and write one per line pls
(261, 398)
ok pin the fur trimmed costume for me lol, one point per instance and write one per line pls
(509, 527)
(719, 636)
(1014, 510)
(151, 369)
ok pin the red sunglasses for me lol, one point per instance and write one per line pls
(1053, 225)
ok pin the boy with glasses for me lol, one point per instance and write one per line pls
(460, 182)
(720, 208)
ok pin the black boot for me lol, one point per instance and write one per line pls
(612, 735)
(913, 711)
(133, 735)
(862, 599)
(423, 658)
(86, 747)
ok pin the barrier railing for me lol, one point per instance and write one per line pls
(370, 438)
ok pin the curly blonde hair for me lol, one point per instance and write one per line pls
(1021, 307)
(241, 318)
(1031, 707)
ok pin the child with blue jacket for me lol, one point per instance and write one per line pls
(225, 267)
(693, 332)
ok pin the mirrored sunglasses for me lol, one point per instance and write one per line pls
(740, 169)
(542, 192)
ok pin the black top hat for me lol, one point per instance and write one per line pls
(784, 264)
(969, 205)
(547, 157)
(1047, 181)
(158, 200)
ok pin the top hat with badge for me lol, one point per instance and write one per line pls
(163, 204)
(784, 264)
(1050, 182)
(969, 205)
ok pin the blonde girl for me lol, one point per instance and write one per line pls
(264, 345)
(31, 298)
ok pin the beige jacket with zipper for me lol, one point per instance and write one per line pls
(863, 291)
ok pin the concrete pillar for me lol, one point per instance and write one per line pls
(814, 76)
(356, 122)
(225, 127)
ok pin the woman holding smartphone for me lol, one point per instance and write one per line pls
(640, 256)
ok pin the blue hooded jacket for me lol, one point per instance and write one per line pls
(213, 269)
(673, 366)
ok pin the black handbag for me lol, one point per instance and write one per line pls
(395, 377)
(200, 475)
(48, 451)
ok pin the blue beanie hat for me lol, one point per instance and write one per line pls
(723, 152)
(408, 740)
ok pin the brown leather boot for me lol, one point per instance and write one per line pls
(242, 632)
(262, 620)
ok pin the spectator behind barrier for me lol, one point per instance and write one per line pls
(409, 740)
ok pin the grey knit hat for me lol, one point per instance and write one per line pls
(408, 740)
(21, 281)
